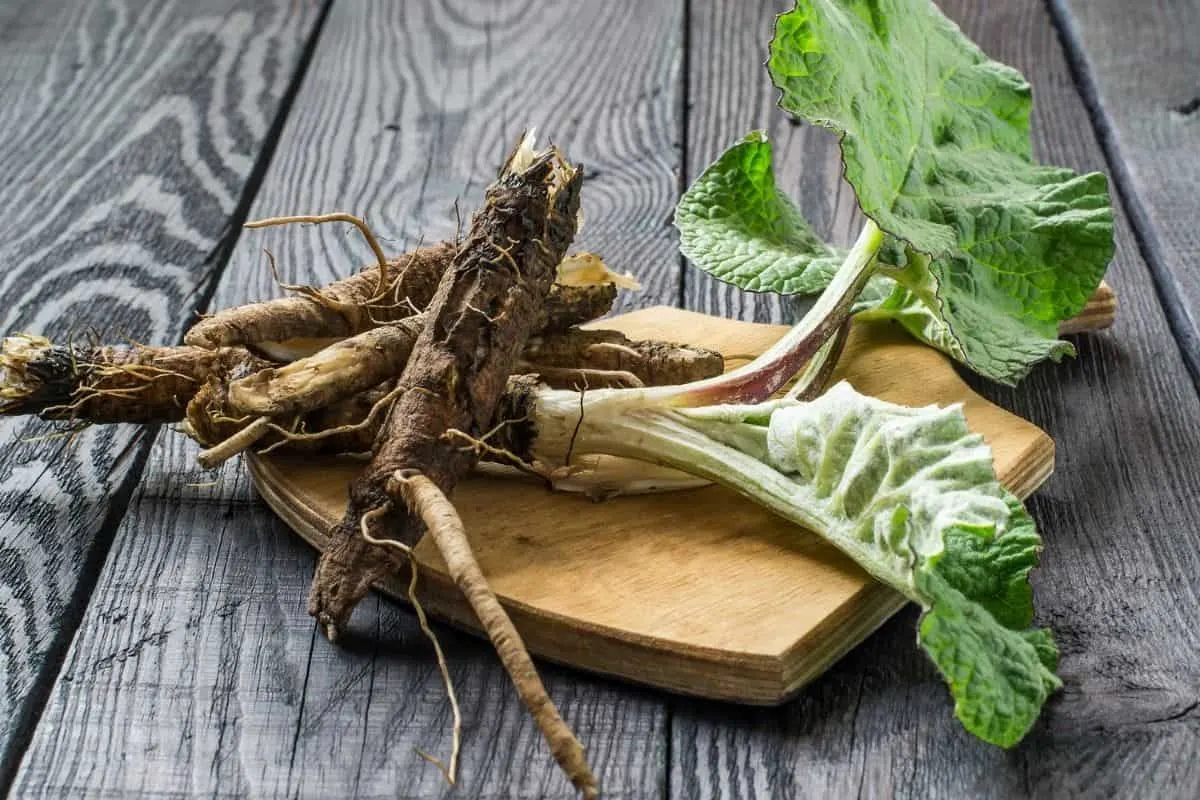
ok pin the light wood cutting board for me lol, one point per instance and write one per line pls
(697, 591)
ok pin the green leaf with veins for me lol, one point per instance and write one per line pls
(935, 141)
(737, 226)
(911, 495)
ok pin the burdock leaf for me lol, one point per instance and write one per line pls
(911, 495)
(1005, 344)
(935, 140)
(999, 676)
(736, 225)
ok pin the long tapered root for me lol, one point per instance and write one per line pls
(449, 770)
(426, 501)
(339, 309)
(108, 383)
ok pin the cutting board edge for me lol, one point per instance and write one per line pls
(765, 677)
(719, 674)
(747, 679)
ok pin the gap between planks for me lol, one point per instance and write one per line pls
(1179, 318)
(30, 713)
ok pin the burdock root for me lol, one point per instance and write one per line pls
(486, 307)
(426, 501)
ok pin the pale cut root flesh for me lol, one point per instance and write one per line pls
(16, 352)
(588, 269)
(290, 350)
(427, 501)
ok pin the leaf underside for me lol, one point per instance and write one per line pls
(912, 495)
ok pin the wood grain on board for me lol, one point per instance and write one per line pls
(1119, 520)
(210, 682)
(1139, 65)
(129, 132)
(701, 592)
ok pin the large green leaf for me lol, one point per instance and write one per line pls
(737, 226)
(1003, 349)
(999, 676)
(935, 140)
(911, 495)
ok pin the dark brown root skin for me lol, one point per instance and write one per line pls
(565, 307)
(343, 369)
(345, 428)
(185, 372)
(568, 306)
(54, 381)
(355, 304)
(350, 306)
(654, 363)
(478, 323)
(111, 384)
(361, 362)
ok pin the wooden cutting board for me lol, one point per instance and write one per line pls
(696, 591)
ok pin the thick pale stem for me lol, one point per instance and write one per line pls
(767, 374)
(811, 382)
(671, 438)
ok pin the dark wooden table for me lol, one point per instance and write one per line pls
(153, 638)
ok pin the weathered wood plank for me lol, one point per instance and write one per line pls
(437, 94)
(730, 94)
(1122, 551)
(1139, 68)
(128, 133)
(214, 684)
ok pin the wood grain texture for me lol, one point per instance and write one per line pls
(128, 133)
(214, 684)
(1117, 582)
(438, 93)
(197, 673)
(1139, 66)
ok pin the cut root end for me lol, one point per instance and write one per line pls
(17, 382)
(588, 269)
(217, 455)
